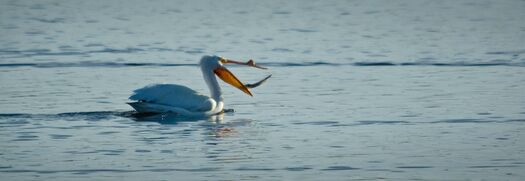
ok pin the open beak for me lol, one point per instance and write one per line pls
(229, 78)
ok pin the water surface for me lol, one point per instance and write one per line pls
(404, 90)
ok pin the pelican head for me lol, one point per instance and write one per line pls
(216, 64)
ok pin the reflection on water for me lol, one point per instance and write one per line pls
(215, 125)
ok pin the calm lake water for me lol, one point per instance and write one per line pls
(361, 90)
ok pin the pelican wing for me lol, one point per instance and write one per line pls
(174, 96)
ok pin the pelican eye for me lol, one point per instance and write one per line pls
(223, 60)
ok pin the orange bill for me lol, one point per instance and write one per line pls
(229, 78)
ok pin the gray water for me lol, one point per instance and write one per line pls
(361, 90)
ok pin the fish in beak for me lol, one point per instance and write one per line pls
(229, 78)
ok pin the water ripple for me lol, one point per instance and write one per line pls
(174, 119)
(266, 64)
(254, 169)
(88, 171)
(414, 167)
(340, 168)
(48, 52)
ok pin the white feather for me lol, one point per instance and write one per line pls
(173, 95)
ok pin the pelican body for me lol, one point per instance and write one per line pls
(179, 99)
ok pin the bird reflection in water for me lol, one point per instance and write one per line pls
(215, 124)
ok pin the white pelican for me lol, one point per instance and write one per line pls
(162, 98)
